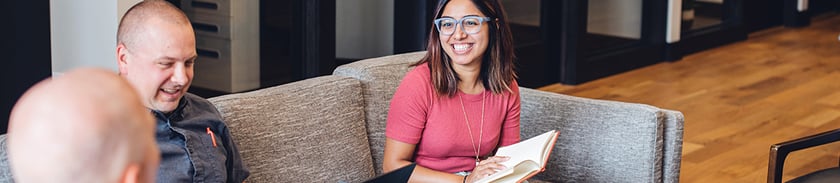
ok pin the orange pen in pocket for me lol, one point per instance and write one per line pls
(212, 136)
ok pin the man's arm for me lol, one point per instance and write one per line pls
(237, 170)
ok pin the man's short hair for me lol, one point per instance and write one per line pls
(133, 22)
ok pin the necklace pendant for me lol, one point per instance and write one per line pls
(476, 162)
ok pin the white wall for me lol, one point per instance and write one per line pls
(364, 28)
(83, 33)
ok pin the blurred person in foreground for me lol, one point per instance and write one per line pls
(88, 126)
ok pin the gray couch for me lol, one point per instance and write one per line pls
(331, 129)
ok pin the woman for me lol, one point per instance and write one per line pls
(460, 104)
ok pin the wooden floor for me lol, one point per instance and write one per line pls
(738, 99)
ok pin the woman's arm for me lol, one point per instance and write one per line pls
(511, 125)
(399, 154)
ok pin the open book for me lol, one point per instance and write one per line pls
(527, 158)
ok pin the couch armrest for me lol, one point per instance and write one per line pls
(674, 124)
(604, 141)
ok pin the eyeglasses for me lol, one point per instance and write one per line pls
(469, 24)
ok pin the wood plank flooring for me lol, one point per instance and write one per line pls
(738, 99)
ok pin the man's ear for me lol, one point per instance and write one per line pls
(131, 174)
(121, 58)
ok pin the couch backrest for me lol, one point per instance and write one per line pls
(307, 131)
(380, 78)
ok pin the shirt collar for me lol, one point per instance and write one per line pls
(177, 112)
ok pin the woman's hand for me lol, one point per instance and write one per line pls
(487, 167)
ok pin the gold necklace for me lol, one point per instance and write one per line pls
(469, 128)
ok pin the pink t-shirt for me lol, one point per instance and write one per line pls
(435, 123)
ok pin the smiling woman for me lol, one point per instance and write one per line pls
(461, 101)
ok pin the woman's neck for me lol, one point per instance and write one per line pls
(469, 75)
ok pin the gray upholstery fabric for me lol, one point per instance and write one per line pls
(673, 145)
(600, 141)
(307, 131)
(380, 78)
(5, 170)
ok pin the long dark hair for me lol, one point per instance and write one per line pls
(497, 67)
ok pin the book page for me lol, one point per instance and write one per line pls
(513, 173)
(526, 156)
(549, 145)
(532, 149)
(519, 172)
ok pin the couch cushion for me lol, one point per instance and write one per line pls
(380, 78)
(307, 131)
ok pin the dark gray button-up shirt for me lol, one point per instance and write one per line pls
(196, 146)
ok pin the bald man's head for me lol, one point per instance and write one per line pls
(87, 125)
(156, 52)
(135, 21)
